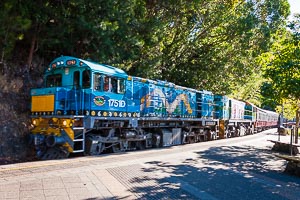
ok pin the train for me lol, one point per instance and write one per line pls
(89, 108)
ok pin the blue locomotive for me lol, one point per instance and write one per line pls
(91, 108)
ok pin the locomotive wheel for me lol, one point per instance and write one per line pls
(116, 148)
(190, 139)
(140, 145)
(54, 153)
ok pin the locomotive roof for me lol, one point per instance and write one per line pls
(65, 61)
(69, 61)
(104, 68)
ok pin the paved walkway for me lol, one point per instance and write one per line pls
(236, 168)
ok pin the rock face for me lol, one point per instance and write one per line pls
(14, 119)
(16, 80)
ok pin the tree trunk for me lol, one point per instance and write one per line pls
(297, 125)
(31, 51)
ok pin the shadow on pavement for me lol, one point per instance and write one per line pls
(226, 172)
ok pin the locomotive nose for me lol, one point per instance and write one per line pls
(52, 140)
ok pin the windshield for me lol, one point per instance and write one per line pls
(54, 80)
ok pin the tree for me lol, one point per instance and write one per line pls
(207, 44)
(282, 66)
(13, 25)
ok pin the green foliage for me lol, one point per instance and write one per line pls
(251, 90)
(288, 108)
(282, 68)
(13, 26)
(208, 45)
(282, 65)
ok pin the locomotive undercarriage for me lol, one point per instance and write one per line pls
(107, 137)
(94, 136)
(238, 128)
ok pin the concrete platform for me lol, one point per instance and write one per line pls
(222, 169)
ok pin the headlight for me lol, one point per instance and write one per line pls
(66, 122)
(35, 122)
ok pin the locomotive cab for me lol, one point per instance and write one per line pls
(71, 84)
(62, 84)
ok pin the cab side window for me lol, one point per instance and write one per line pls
(106, 84)
(121, 86)
(76, 79)
(54, 80)
(113, 84)
(97, 82)
(86, 79)
(109, 84)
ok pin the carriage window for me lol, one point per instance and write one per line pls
(86, 79)
(54, 80)
(76, 79)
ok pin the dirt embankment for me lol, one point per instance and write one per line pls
(15, 116)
